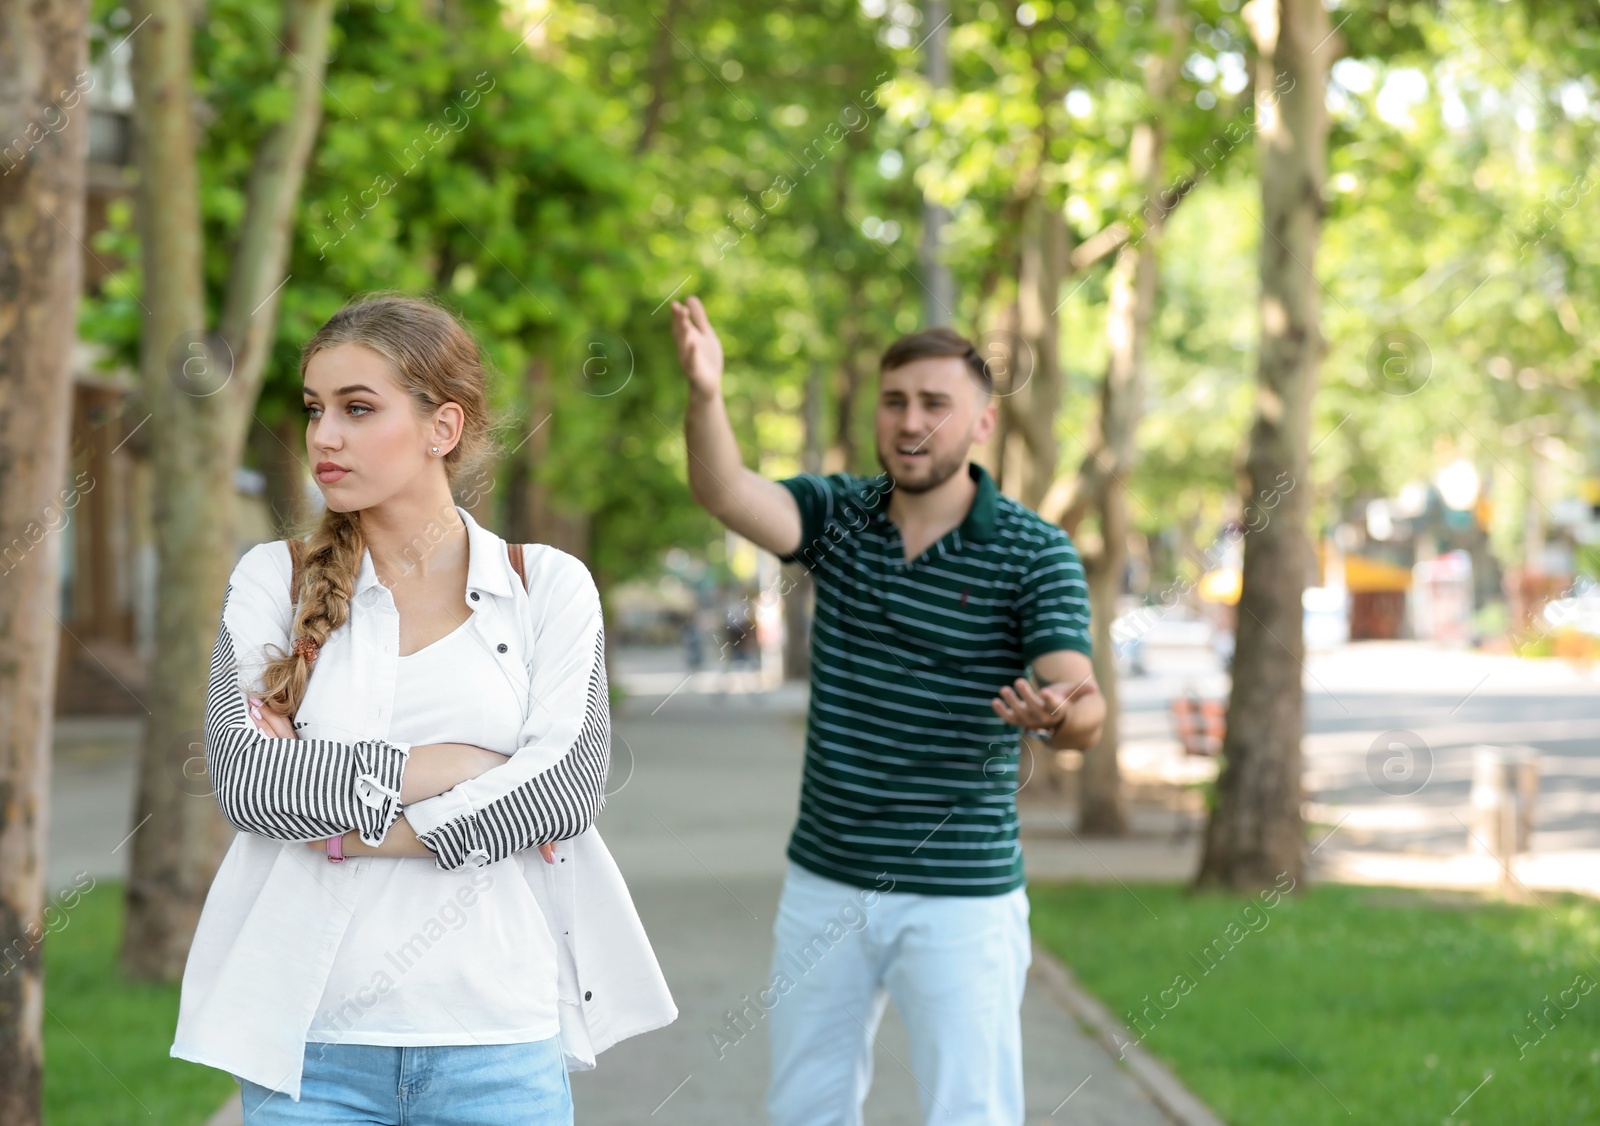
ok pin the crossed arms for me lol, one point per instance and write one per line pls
(460, 803)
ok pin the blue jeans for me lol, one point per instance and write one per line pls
(453, 1085)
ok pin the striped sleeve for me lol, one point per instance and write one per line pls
(285, 789)
(553, 786)
(831, 508)
(814, 498)
(1054, 599)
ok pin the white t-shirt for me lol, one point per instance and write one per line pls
(435, 957)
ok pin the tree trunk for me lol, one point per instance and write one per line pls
(1131, 306)
(1073, 495)
(1031, 396)
(535, 519)
(43, 56)
(201, 388)
(660, 72)
(1034, 403)
(842, 455)
(797, 587)
(277, 450)
(938, 285)
(520, 479)
(1101, 809)
(531, 517)
(1256, 834)
(999, 349)
(250, 306)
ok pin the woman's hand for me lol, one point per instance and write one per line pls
(273, 723)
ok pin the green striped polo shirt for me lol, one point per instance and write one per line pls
(908, 771)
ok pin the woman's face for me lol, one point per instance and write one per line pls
(365, 437)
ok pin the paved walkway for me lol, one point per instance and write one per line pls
(1380, 814)
(703, 793)
(699, 828)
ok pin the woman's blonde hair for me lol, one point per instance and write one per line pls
(434, 358)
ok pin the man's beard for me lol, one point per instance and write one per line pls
(938, 472)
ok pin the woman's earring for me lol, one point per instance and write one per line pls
(436, 449)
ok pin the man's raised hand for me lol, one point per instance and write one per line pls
(760, 510)
(699, 350)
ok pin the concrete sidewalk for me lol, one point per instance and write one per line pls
(701, 798)
(704, 788)
(703, 793)
(698, 825)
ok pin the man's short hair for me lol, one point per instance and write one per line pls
(938, 343)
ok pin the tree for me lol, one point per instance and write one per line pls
(1256, 833)
(761, 148)
(1113, 449)
(200, 387)
(1029, 449)
(1050, 149)
(43, 61)
(475, 162)
(939, 295)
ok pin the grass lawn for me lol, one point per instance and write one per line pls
(1347, 1004)
(106, 1039)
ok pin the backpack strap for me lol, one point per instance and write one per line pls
(294, 570)
(514, 550)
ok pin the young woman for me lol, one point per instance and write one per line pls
(416, 921)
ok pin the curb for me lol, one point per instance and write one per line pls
(230, 1113)
(1176, 1101)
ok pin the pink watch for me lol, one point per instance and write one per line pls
(334, 847)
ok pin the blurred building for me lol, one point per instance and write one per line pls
(1418, 564)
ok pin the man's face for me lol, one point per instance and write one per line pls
(929, 414)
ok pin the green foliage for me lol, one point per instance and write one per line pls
(451, 162)
(1460, 186)
(765, 168)
(557, 173)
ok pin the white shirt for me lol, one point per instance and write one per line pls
(408, 970)
(277, 912)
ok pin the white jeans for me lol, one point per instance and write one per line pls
(955, 967)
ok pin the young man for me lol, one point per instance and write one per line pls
(934, 594)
